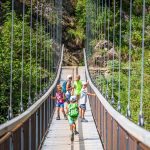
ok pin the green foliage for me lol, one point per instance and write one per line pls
(80, 16)
(5, 40)
(81, 13)
(96, 34)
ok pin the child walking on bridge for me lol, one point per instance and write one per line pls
(67, 88)
(59, 97)
(73, 111)
(83, 101)
(78, 87)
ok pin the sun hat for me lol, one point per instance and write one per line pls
(69, 76)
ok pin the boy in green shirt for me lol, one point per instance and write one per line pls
(77, 87)
(72, 110)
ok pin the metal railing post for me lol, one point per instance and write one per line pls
(118, 138)
(40, 124)
(106, 130)
(37, 133)
(112, 133)
(127, 142)
(44, 118)
(30, 133)
(22, 139)
(11, 143)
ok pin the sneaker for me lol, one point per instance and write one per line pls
(76, 132)
(57, 118)
(72, 136)
(65, 117)
(84, 120)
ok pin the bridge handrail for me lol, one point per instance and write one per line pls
(134, 130)
(8, 126)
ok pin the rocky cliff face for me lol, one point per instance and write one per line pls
(73, 47)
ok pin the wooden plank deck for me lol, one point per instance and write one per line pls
(58, 136)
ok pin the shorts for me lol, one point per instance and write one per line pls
(83, 106)
(72, 120)
(60, 105)
(68, 98)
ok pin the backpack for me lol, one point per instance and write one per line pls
(64, 86)
(73, 110)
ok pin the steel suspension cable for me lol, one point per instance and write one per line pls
(95, 20)
(95, 36)
(99, 10)
(37, 18)
(101, 24)
(41, 50)
(104, 43)
(120, 45)
(141, 117)
(47, 50)
(88, 26)
(97, 40)
(30, 77)
(10, 110)
(53, 37)
(112, 98)
(22, 63)
(50, 49)
(108, 47)
(96, 76)
(129, 67)
(99, 31)
(44, 34)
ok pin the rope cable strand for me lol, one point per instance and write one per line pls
(47, 65)
(141, 117)
(22, 63)
(104, 93)
(44, 34)
(30, 77)
(50, 51)
(112, 98)
(128, 114)
(107, 94)
(10, 110)
(101, 28)
(41, 51)
(36, 92)
(120, 44)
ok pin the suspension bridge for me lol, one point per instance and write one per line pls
(33, 126)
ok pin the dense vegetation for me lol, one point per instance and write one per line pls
(96, 36)
(41, 66)
(80, 22)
